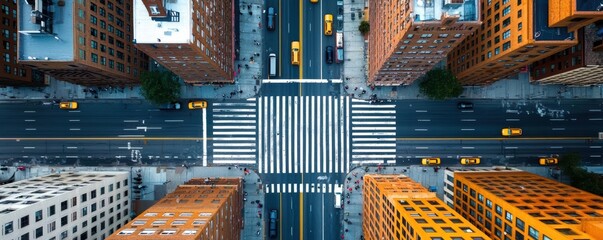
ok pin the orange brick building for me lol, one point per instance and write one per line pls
(193, 39)
(395, 207)
(517, 33)
(84, 42)
(409, 37)
(199, 209)
(521, 205)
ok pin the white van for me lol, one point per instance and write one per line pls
(338, 191)
(272, 63)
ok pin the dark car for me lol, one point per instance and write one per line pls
(273, 222)
(170, 106)
(464, 105)
(329, 54)
(270, 19)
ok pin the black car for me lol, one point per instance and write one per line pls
(329, 54)
(270, 19)
(170, 106)
(464, 105)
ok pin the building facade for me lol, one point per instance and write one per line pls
(578, 65)
(12, 72)
(515, 34)
(409, 37)
(193, 39)
(86, 42)
(395, 207)
(521, 205)
(82, 205)
(199, 209)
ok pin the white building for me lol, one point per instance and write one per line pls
(70, 205)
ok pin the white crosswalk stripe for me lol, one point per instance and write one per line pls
(373, 132)
(301, 187)
(234, 132)
(303, 134)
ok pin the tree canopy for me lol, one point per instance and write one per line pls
(440, 84)
(580, 177)
(160, 86)
(364, 27)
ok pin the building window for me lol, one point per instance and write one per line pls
(73, 216)
(51, 226)
(520, 224)
(498, 221)
(508, 216)
(533, 232)
(94, 57)
(64, 221)
(93, 20)
(505, 2)
(51, 210)
(8, 228)
(24, 221)
(63, 205)
(82, 54)
(24, 236)
(84, 211)
(498, 210)
(488, 214)
(506, 34)
(39, 232)
(519, 14)
(506, 46)
(519, 39)
(506, 22)
(507, 10)
(38, 215)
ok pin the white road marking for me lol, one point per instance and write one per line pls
(29, 111)
(595, 147)
(173, 120)
(30, 120)
(421, 129)
(595, 156)
(468, 120)
(129, 136)
(511, 147)
(595, 119)
(130, 121)
(467, 129)
(71, 147)
(556, 147)
(418, 148)
(29, 147)
(74, 129)
(423, 120)
(30, 129)
(557, 119)
(468, 147)
(594, 110)
(558, 129)
(421, 111)
(512, 120)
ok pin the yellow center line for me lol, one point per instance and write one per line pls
(301, 44)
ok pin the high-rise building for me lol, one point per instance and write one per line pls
(511, 204)
(578, 65)
(13, 73)
(193, 39)
(395, 207)
(70, 205)
(409, 37)
(209, 208)
(515, 34)
(86, 42)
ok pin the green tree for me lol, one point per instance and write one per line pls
(160, 86)
(440, 84)
(364, 27)
(580, 177)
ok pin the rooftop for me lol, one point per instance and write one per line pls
(433, 10)
(46, 31)
(24, 193)
(176, 27)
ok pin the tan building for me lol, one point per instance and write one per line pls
(86, 42)
(409, 37)
(519, 205)
(199, 209)
(578, 65)
(516, 34)
(395, 207)
(193, 39)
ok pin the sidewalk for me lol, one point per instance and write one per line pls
(244, 80)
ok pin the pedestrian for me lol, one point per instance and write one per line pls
(348, 201)
(356, 88)
(346, 87)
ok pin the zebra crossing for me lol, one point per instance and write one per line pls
(234, 132)
(303, 134)
(301, 187)
(373, 132)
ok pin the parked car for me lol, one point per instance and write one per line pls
(170, 106)
(270, 19)
(548, 161)
(273, 223)
(464, 105)
(329, 54)
(68, 105)
(431, 161)
(470, 161)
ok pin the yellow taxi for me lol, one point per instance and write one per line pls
(510, 132)
(470, 161)
(295, 54)
(548, 161)
(68, 105)
(313, 1)
(430, 161)
(197, 104)
(328, 24)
